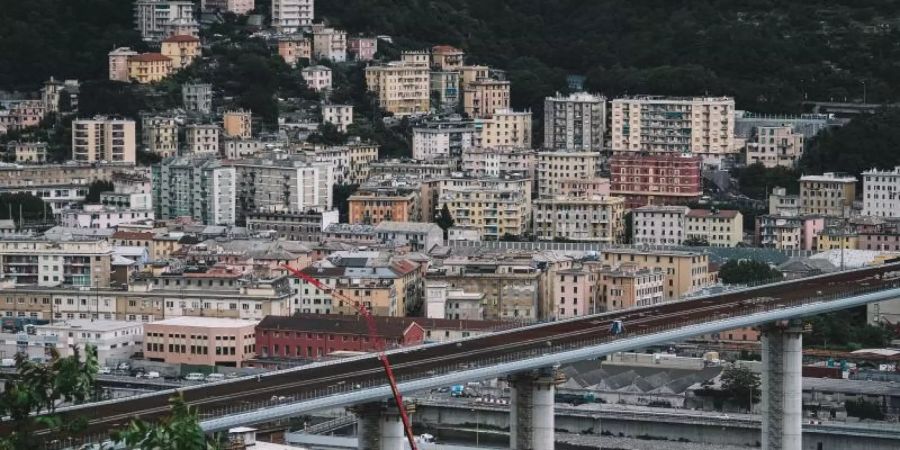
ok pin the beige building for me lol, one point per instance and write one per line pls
(775, 147)
(511, 286)
(159, 135)
(26, 152)
(149, 67)
(289, 16)
(829, 194)
(340, 116)
(720, 228)
(37, 262)
(237, 124)
(372, 205)
(701, 125)
(103, 139)
(783, 204)
(329, 43)
(630, 285)
(202, 139)
(685, 272)
(552, 167)
(118, 63)
(181, 49)
(446, 58)
(492, 162)
(498, 206)
(469, 74)
(201, 341)
(583, 187)
(506, 128)
(483, 97)
(575, 293)
(401, 88)
(585, 219)
(318, 78)
(294, 48)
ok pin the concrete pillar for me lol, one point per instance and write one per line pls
(379, 426)
(782, 386)
(532, 421)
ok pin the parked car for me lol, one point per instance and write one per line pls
(194, 376)
(104, 371)
(124, 366)
(215, 377)
(8, 362)
(152, 374)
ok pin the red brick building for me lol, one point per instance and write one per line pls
(317, 335)
(655, 179)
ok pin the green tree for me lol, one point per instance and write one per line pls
(694, 241)
(866, 142)
(756, 181)
(864, 410)
(327, 134)
(445, 219)
(741, 385)
(181, 431)
(96, 188)
(747, 271)
(30, 399)
(24, 206)
(341, 193)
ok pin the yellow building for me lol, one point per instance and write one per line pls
(401, 88)
(836, 239)
(630, 286)
(468, 74)
(686, 272)
(506, 128)
(149, 67)
(554, 167)
(237, 124)
(181, 49)
(724, 228)
(590, 219)
(482, 97)
(829, 194)
(495, 206)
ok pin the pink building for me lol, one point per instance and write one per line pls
(362, 48)
(21, 114)
(583, 187)
(575, 292)
(789, 232)
(202, 341)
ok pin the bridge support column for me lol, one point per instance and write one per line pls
(532, 421)
(379, 426)
(782, 390)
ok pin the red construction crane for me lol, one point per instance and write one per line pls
(373, 337)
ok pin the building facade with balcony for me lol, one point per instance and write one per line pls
(576, 122)
(881, 193)
(829, 194)
(103, 139)
(659, 225)
(584, 219)
(661, 179)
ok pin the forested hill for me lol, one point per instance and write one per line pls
(767, 53)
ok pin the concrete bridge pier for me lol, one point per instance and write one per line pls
(532, 418)
(782, 390)
(379, 426)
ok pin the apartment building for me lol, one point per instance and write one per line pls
(783, 204)
(659, 225)
(829, 194)
(661, 179)
(497, 206)
(149, 67)
(318, 78)
(789, 232)
(196, 187)
(103, 139)
(156, 19)
(118, 63)
(444, 302)
(202, 139)
(701, 126)
(362, 156)
(506, 128)
(200, 341)
(401, 88)
(373, 204)
(197, 97)
(115, 341)
(483, 97)
(292, 225)
(583, 187)
(26, 152)
(775, 147)
(719, 228)
(418, 236)
(237, 124)
(685, 272)
(55, 90)
(20, 114)
(289, 16)
(491, 162)
(45, 175)
(43, 262)
(288, 184)
(362, 48)
(341, 116)
(583, 219)
(445, 91)
(447, 58)
(305, 335)
(630, 286)
(443, 139)
(511, 285)
(293, 48)
(181, 49)
(239, 7)
(329, 43)
(575, 292)
(552, 167)
(575, 123)
(836, 238)
(102, 216)
(408, 169)
(881, 193)
(159, 135)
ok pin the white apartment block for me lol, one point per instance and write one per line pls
(783, 204)
(719, 228)
(701, 125)
(340, 116)
(442, 140)
(506, 128)
(115, 341)
(159, 135)
(155, 19)
(103, 139)
(552, 167)
(881, 193)
(775, 147)
(330, 44)
(221, 201)
(288, 16)
(588, 219)
(658, 225)
(284, 184)
(576, 122)
(55, 263)
(318, 78)
(196, 187)
(239, 7)
(197, 97)
(482, 162)
(401, 88)
(101, 216)
(202, 139)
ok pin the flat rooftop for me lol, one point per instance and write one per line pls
(205, 322)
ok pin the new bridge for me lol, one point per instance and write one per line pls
(529, 356)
